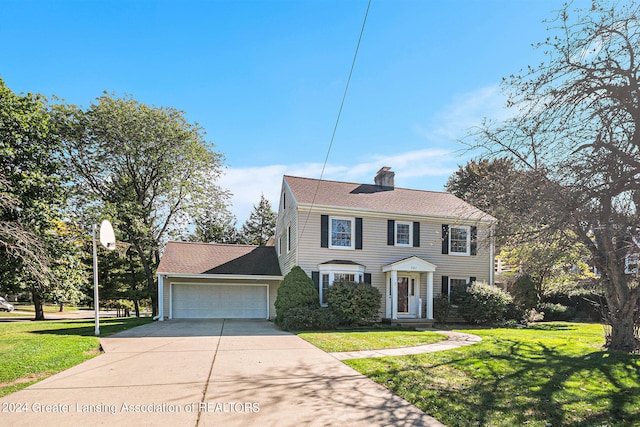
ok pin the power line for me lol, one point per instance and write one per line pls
(335, 127)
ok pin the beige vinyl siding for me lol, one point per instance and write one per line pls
(376, 253)
(287, 218)
(273, 289)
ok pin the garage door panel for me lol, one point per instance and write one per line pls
(219, 301)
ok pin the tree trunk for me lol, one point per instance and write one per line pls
(623, 336)
(37, 304)
(136, 305)
(61, 307)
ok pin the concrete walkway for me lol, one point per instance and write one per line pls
(209, 373)
(455, 340)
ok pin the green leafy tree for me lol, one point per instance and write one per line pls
(145, 167)
(261, 224)
(215, 223)
(576, 123)
(33, 249)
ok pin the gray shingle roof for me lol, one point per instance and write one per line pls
(382, 199)
(212, 258)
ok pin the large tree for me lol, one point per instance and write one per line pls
(576, 123)
(143, 166)
(32, 201)
(214, 222)
(261, 224)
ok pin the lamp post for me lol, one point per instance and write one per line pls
(108, 240)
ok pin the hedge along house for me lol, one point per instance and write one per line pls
(201, 280)
(412, 245)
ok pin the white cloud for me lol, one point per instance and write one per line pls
(248, 183)
(424, 169)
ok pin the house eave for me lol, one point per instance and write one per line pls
(488, 219)
(219, 276)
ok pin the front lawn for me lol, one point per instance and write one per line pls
(550, 375)
(32, 351)
(369, 340)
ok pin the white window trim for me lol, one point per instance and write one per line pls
(288, 239)
(628, 261)
(353, 232)
(333, 269)
(468, 252)
(279, 245)
(395, 233)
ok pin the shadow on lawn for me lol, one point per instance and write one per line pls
(525, 381)
(107, 326)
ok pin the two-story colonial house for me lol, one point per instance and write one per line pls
(412, 245)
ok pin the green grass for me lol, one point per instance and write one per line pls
(369, 340)
(32, 351)
(554, 374)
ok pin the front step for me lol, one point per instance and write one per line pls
(410, 323)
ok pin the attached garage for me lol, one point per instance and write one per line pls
(190, 301)
(204, 281)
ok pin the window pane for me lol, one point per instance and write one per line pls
(402, 234)
(458, 239)
(341, 232)
(325, 286)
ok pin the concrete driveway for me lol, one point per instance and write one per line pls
(209, 372)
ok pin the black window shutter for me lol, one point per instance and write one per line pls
(472, 279)
(315, 276)
(416, 234)
(367, 278)
(445, 239)
(445, 285)
(358, 233)
(324, 231)
(391, 232)
(474, 240)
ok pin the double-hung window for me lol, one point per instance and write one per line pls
(403, 234)
(459, 240)
(342, 233)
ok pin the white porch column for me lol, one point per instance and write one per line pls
(394, 294)
(429, 295)
(160, 297)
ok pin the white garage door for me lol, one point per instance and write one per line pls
(219, 301)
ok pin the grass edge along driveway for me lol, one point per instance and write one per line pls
(550, 374)
(32, 351)
(374, 339)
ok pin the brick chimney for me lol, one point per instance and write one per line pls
(384, 177)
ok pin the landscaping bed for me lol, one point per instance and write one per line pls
(551, 374)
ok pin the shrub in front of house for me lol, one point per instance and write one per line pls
(556, 312)
(354, 303)
(296, 290)
(441, 309)
(309, 319)
(484, 305)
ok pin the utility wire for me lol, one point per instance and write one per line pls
(335, 127)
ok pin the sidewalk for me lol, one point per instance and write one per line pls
(455, 340)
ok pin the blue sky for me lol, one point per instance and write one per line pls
(265, 78)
